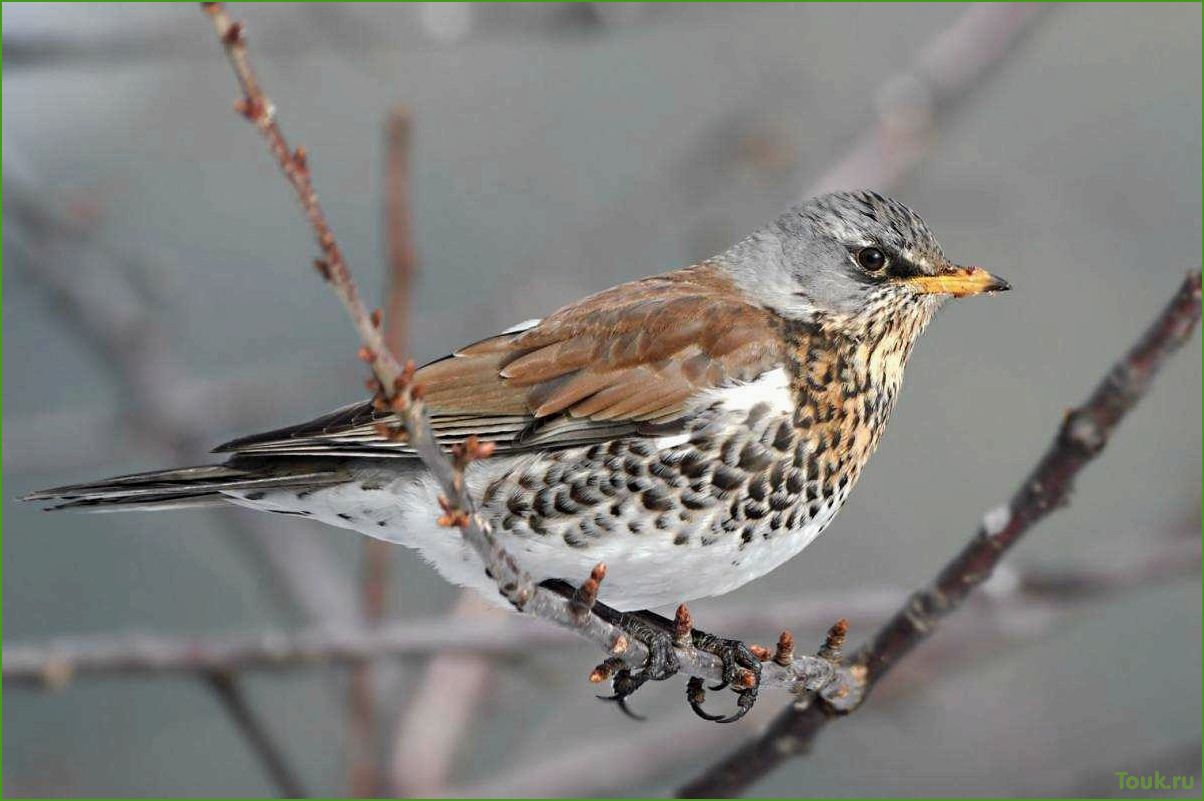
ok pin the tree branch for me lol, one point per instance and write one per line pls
(1081, 437)
(392, 386)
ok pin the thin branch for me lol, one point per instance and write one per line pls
(392, 387)
(226, 688)
(1081, 437)
(57, 662)
(258, 109)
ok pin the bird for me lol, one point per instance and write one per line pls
(692, 430)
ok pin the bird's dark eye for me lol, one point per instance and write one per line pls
(871, 259)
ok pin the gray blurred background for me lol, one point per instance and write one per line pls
(557, 150)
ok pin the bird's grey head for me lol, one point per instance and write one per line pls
(852, 258)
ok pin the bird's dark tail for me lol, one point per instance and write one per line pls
(180, 488)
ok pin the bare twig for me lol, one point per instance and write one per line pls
(1082, 435)
(392, 385)
(57, 662)
(226, 687)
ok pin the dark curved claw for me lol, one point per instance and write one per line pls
(696, 694)
(625, 684)
(745, 700)
(735, 655)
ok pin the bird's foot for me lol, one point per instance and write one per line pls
(741, 672)
(654, 631)
(661, 663)
(741, 664)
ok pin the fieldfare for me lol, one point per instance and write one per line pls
(693, 430)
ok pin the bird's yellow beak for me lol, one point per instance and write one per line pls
(958, 282)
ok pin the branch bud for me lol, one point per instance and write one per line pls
(784, 654)
(683, 627)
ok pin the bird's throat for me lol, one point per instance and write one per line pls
(844, 388)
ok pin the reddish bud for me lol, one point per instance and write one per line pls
(683, 627)
(745, 679)
(784, 654)
(834, 642)
(587, 594)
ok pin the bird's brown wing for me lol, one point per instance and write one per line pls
(623, 362)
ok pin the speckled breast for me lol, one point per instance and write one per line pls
(737, 475)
